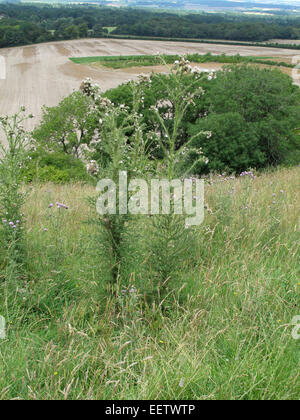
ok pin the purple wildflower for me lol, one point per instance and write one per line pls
(64, 206)
(250, 173)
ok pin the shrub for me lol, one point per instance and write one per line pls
(57, 167)
(251, 113)
(231, 145)
(68, 126)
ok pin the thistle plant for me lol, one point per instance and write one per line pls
(13, 156)
(123, 144)
(182, 87)
(121, 148)
(171, 242)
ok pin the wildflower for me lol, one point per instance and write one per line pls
(251, 174)
(92, 167)
(144, 78)
(181, 382)
(89, 89)
(50, 205)
(45, 230)
(61, 205)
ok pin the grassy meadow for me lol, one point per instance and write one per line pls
(223, 331)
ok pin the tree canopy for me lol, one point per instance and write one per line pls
(26, 24)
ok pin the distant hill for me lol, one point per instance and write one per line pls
(265, 6)
(214, 5)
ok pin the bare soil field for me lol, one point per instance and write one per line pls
(42, 74)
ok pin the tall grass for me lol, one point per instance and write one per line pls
(226, 332)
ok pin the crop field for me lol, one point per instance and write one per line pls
(43, 74)
(124, 61)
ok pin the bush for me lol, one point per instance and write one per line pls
(251, 112)
(232, 147)
(67, 126)
(57, 167)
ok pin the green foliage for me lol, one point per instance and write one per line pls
(123, 61)
(30, 23)
(247, 119)
(12, 159)
(122, 149)
(226, 333)
(57, 167)
(115, 306)
(231, 145)
(155, 95)
(68, 126)
(252, 116)
(170, 240)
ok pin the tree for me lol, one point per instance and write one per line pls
(83, 30)
(250, 113)
(13, 37)
(98, 31)
(265, 98)
(230, 144)
(67, 126)
(72, 32)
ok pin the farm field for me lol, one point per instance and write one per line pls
(42, 74)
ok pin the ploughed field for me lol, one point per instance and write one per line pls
(42, 74)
